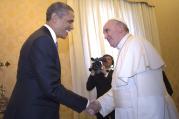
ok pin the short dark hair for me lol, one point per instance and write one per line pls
(59, 8)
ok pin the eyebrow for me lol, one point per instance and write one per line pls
(71, 21)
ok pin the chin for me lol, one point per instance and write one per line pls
(63, 37)
(112, 45)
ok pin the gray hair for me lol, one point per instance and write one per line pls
(122, 24)
(59, 8)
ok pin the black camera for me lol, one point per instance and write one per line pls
(97, 64)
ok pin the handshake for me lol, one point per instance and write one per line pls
(93, 108)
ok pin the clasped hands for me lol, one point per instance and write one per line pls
(93, 108)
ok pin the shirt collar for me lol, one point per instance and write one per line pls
(54, 37)
(123, 40)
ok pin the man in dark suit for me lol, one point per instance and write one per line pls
(38, 92)
(102, 81)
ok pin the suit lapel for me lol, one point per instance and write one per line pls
(47, 32)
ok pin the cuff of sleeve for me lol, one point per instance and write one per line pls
(87, 103)
(107, 104)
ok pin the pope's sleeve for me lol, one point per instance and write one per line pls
(107, 103)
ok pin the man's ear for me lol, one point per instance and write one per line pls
(121, 27)
(54, 17)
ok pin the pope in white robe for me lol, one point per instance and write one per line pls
(138, 90)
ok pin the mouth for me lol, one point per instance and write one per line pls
(67, 31)
(65, 34)
(108, 39)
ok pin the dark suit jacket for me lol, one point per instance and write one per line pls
(38, 91)
(102, 83)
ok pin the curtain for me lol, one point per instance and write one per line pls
(149, 2)
(86, 40)
(141, 20)
(79, 66)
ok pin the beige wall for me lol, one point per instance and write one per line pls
(19, 18)
(167, 13)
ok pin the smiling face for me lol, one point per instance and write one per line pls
(60, 17)
(108, 61)
(62, 25)
(113, 32)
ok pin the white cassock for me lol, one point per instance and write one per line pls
(138, 91)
